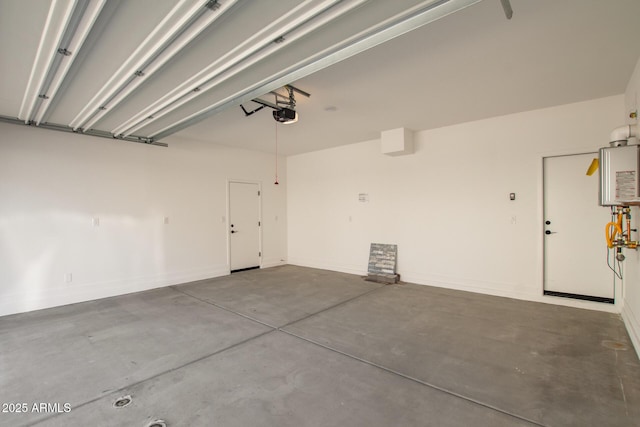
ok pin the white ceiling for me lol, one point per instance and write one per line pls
(469, 65)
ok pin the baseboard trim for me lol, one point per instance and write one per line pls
(460, 284)
(268, 263)
(58, 296)
(633, 327)
(328, 265)
(497, 289)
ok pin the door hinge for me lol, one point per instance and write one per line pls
(258, 223)
(259, 253)
(258, 193)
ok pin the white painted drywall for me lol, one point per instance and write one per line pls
(447, 206)
(53, 184)
(631, 309)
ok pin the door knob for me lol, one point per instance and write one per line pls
(547, 222)
(550, 232)
(233, 231)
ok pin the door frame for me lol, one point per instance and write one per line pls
(228, 218)
(618, 292)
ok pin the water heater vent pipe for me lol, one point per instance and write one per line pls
(620, 135)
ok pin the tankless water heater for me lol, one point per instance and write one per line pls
(620, 176)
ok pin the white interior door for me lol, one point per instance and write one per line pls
(575, 262)
(244, 225)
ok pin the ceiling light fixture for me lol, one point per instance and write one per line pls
(181, 25)
(415, 17)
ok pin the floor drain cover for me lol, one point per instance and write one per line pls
(121, 402)
(157, 423)
(615, 345)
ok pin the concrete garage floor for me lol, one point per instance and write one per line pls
(292, 346)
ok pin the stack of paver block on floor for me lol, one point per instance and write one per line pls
(382, 263)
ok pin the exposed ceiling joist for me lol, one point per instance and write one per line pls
(280, 33)
(56, 24)
(279, 40)
(143, 70)
(399, 24)
(85, 17)
(177, 29)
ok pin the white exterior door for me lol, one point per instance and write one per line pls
(575, 252)
(244, 225)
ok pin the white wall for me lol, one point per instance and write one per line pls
(447, 205)
(631, 310)
(52, 184)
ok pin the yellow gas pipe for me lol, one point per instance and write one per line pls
(617, 228)
(612, 229)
